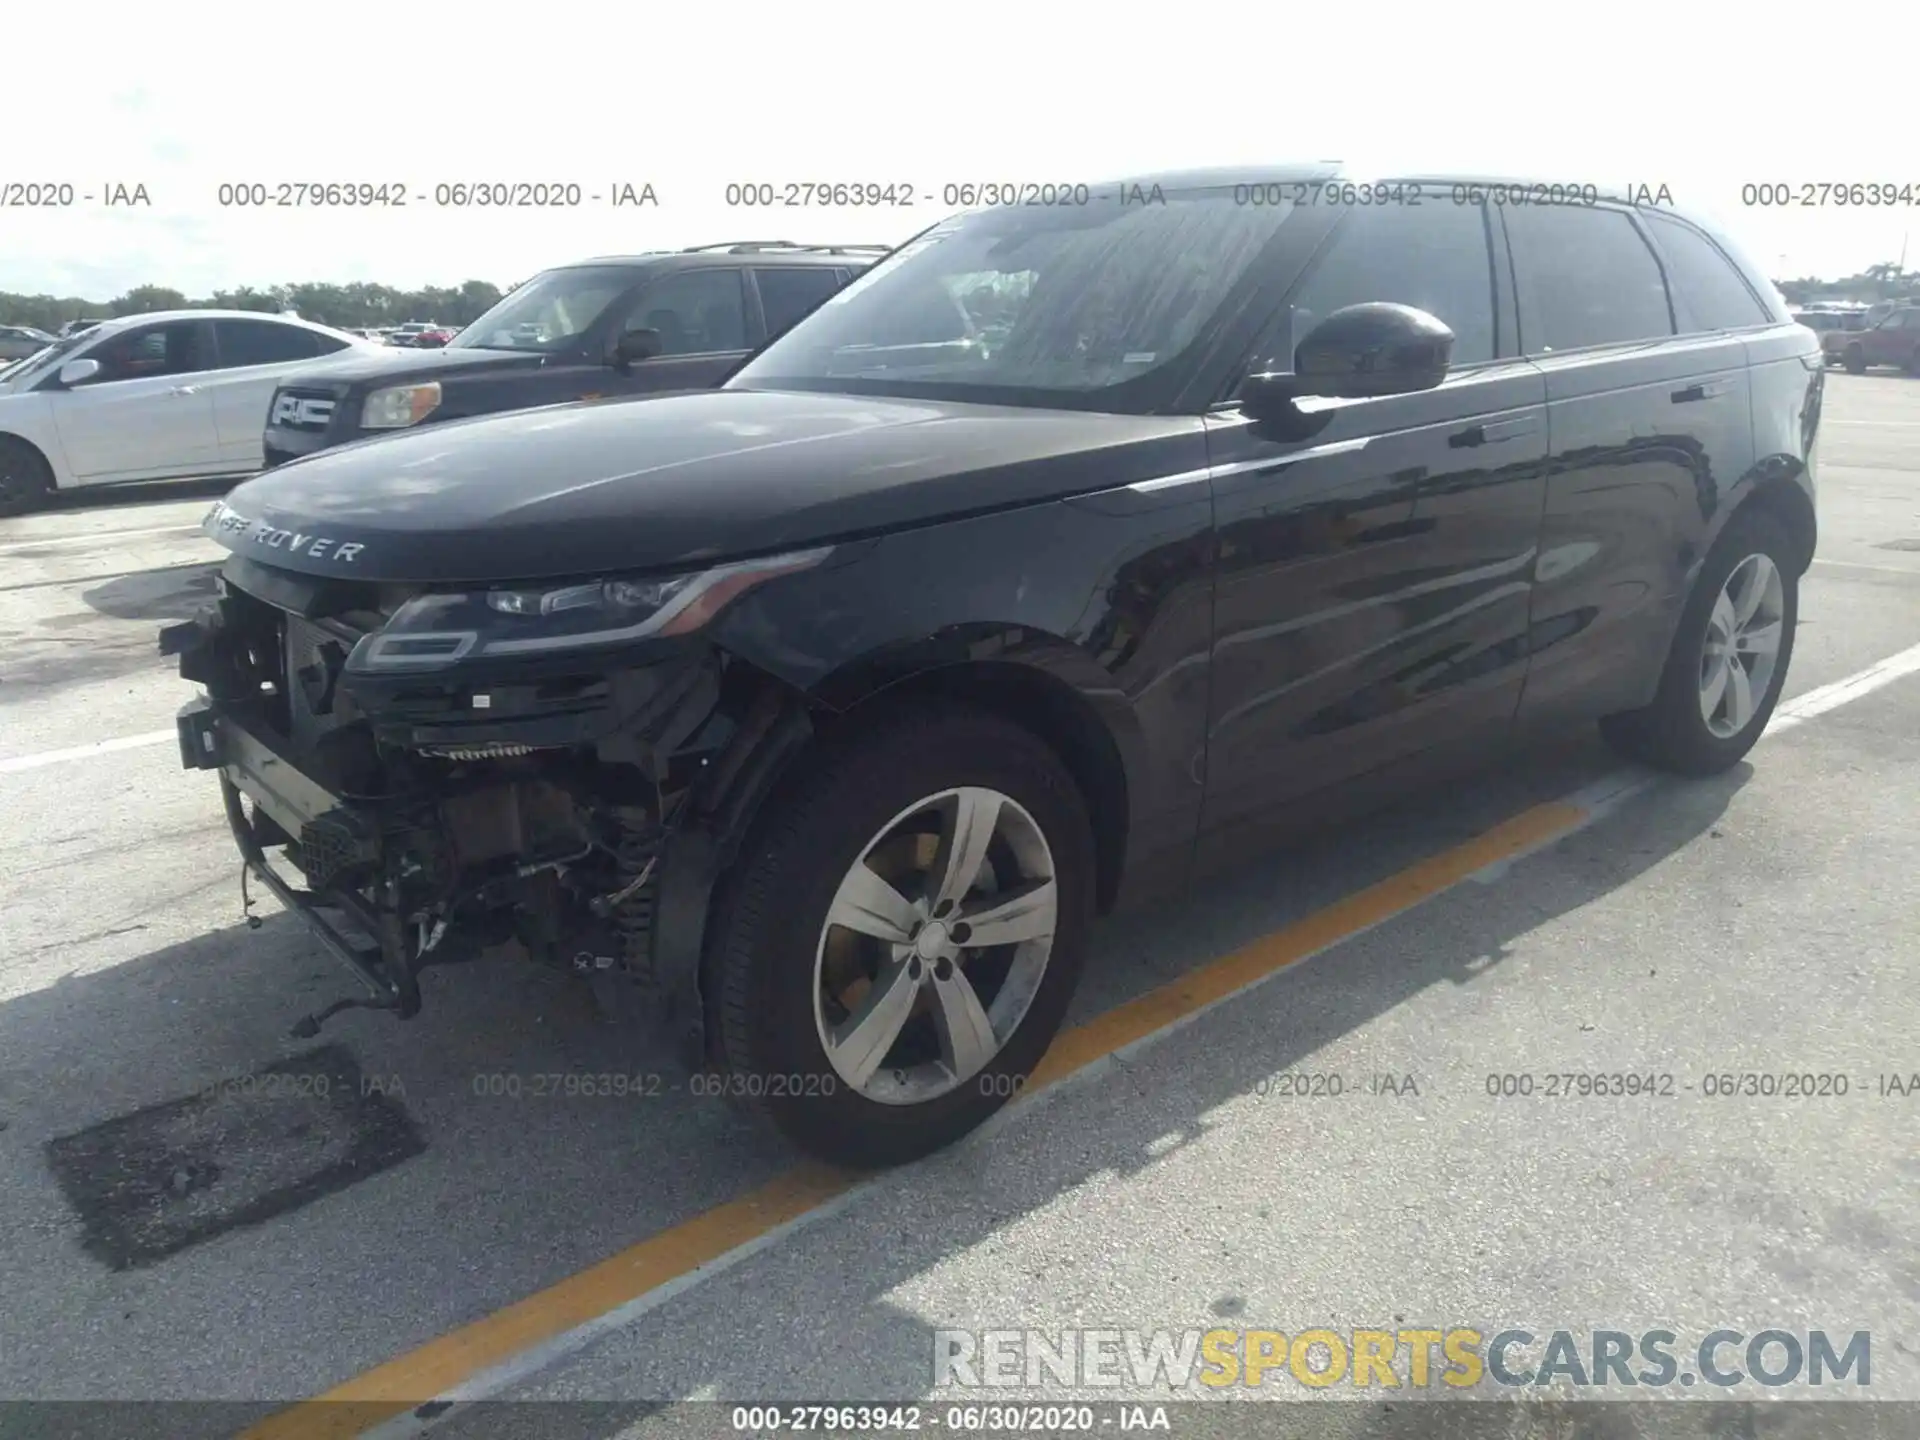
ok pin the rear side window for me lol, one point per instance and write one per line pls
(1707, 288)
(1433, 258)
(786, 295)
(260, 342)
(1586, 277)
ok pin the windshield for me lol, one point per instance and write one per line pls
(550, 312)
(1029, 305)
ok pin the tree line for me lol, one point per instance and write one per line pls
(1875, 283)
(364, 305)
(347, 306)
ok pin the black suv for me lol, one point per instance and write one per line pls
(1073, 552)
(614, 326)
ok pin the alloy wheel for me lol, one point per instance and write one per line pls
(934, 946)
(1742, 648)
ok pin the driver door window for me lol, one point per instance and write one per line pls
(697, 312)
(1434, 258)
(155, 350)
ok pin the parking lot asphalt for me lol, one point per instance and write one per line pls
(412, 1181)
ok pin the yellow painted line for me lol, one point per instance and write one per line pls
(1214, 981)
(437, 1366)
(453, 1359)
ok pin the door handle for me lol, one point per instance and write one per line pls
(1699, 392)
(1491, 434)
(184, 390)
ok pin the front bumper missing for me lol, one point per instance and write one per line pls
(298, 807)
(348, 854)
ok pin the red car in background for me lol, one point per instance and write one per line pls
(1894, 341)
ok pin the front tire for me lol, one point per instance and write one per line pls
(1729, 658)
(26, 480)
(902, 934)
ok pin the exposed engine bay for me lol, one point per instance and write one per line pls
(428, 818)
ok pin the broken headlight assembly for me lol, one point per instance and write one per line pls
(439, 629)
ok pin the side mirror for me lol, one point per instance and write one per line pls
(1357, 353)
(77, 372)
(637, 345)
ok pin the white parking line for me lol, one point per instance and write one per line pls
(1831, 697)
(83, 752)
(1881, 569)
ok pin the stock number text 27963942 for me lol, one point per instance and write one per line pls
(902, 194)
(1811, 194)
(443, 195)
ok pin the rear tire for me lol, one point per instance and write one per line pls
(1856, 361)
(26, 480)
(805, 1006)
(1692, 728)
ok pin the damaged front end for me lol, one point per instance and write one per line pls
(426, 805)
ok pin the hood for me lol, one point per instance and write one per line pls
(664, 482)
(383, 363)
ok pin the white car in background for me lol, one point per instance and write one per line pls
(178, 395)
(17, 342)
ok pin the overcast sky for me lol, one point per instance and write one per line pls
(183, 97)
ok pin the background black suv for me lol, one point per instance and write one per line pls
(619, 325)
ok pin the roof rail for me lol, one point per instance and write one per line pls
(748, 247)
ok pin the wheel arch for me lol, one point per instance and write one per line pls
(1035, 680)
(1027, 675)
(20, 437)
(1039, 699)
(36, 452)
(1785, 498)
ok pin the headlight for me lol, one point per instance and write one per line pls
(430, 632)
(399, 406)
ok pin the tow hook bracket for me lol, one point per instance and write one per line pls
(199, 736)
(178, 639)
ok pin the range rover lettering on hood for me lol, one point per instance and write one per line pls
(224, 520)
